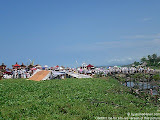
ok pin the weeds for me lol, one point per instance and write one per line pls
(68, 99)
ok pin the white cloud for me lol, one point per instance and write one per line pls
(116, 52)
(152, 36)
(120, 60)
(128, 44)
(107, 43)
(147, 19)
(156, 41)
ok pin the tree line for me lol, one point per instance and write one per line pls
(150, 60)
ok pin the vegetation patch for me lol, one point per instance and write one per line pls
(68, 99)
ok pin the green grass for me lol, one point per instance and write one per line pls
(68, 99)
(154, 67)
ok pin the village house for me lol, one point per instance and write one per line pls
(16, 66)
(3, 67)
(23, 66)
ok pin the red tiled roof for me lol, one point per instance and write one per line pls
(16, 65)
(90, 65)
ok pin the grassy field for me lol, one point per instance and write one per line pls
(157, 68)
(68, 99)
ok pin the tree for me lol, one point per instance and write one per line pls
(136, 63)
(149, 57)
(154, 57)
(149, 60)
(143, 59)
(158, 59)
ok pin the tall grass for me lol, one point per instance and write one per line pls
(68, 99)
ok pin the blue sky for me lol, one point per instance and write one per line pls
(59, 32)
